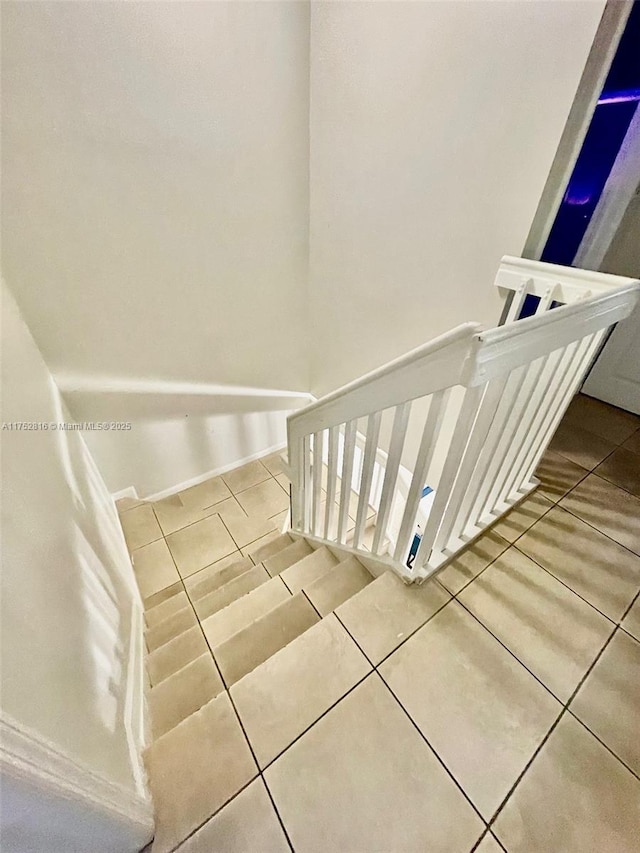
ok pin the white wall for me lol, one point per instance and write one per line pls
(69, 600)
(433, 129)
(155, 199)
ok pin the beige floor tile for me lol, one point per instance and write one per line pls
(123, 504)
(284, 481)
(175, 654)
(200, 544)
(580, 446)
(601, 419)
(521, 517)
(140, 527)
(154, 568)
(551, 630)
(156, 598)
(248, 475)
(608, 701)
(338, 585)
(486, 742)
(280, 520)
(267, 546)
(195, 769)
(170, 628)
(184, 692)
(275, 463)
(472, 561)
(387, 611)
(607, 508)
(253, 645)
(242, 612)
(297, 550)
(590, 563)
(575, 797)
(309, 569)
(489, 845)
(631, 622)
(230, 592)
(633, 443)
(248, 824)
(194, 504)
(166, 608)
(286, 694)
(371, 783)
(218, 574)
(558, 475)
(265, 499)
(172, 515)
(623, 469)
(205, 494)
(247, 529)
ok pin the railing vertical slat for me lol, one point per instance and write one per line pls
(306, 484)
(346, 474)
(318, 448)
(464, 423)
(517, 301)
(296, 461)
(467, 478)
(368, 463)
(332, 474)
(398, 433)
(432, 425)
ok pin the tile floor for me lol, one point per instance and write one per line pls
(495, 709)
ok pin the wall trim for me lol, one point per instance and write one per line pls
(26, 755)
(195, 481)
(129, 492)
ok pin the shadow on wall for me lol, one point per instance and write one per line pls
(179, 432)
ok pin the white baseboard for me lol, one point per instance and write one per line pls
(129, 492)
(195, 481)
(26, 755)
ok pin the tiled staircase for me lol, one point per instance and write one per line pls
(211, 648)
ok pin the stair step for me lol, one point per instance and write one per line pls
(165, 594)
(182, 693)
(234, 589)
(170, 627)
(166, 608)
(287, 557)
(251, 646)
(283, 696)
(242, 612)
(338, 585)
(308, 569)
(175, 654)
(210, 579)
(270, 548)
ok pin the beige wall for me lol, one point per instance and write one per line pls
(69, 597)
(155, 204)
(433, 129)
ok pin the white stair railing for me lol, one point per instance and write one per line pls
(468, 414)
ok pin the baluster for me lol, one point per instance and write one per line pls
(318, 448)
(398, 433)
(306, 484)
(432, 426)
(368, 463)
(332, 474)
(347, 473)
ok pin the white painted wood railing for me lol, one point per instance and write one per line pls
(468, 415)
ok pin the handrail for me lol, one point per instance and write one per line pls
(469, 414)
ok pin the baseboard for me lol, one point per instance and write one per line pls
(195, 481)
(26, 755)
(129, 492)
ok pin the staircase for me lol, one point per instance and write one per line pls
(268, 613)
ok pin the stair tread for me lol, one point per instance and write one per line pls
(269, 548)
(308, 569)
(242, 612)
(231, 591)
(297, 685)
(338, 585)
(175, 654)
(212, 578)
(287, 557)
(257, 642)
(170, 628)
(182, 693)
(166, 608)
